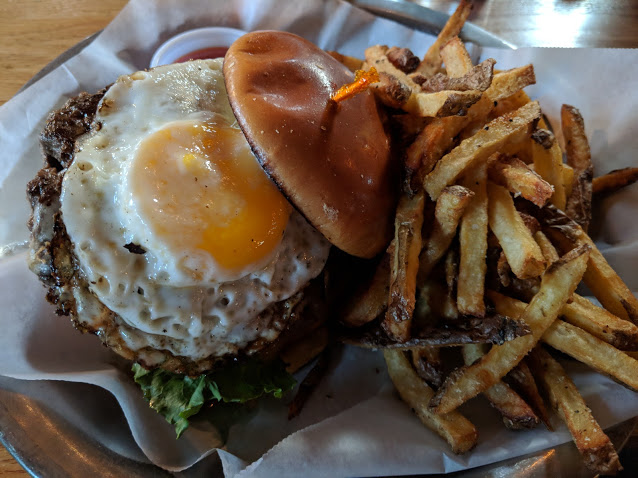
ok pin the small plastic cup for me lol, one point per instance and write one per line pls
(193, 40)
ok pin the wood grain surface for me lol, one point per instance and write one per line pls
(34, 32)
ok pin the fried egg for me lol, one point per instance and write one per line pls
(175, 225)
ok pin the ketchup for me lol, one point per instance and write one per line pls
(204, 54)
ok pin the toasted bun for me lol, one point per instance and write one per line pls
(332, 162)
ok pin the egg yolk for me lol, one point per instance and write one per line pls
(198, 186)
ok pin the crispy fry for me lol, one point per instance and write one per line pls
(453, 427)
(515, 412)
(352, 63)
(510, 103)
(568, 179)
(520, 378)
(447, 214)
(531, 223)
(592, 351)
(622, 334)
(393, 90)
(510, 82)
(558, 284)
(473, 246)
(437, 138)
(371, 301)
(479, 78)
(581, 313)
(597, 450)
(432, 60)
(362, 80)
(430, 146)
(523, 254)
(428, 365)
(441, 103)
(456, 58)
(614, 180)
(493, 329)
(480, 146)
(404, 265)
(513, 174)
(603, 281)
(578, 157)
(548, 163)
(503, 270)
(547, 248)
(450, 311)
(403, 59)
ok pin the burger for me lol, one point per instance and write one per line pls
(185, 215)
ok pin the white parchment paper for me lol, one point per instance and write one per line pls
(354, 425)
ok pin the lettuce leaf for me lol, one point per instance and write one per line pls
(178, 397)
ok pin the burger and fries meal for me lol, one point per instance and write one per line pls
(420, 206)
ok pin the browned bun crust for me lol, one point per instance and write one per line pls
(332, 162)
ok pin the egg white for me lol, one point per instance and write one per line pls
(162, 306)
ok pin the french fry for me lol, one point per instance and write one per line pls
(370, 302)
(516, 177)
(510, 103)
(583, 314)
(547, 248)
(403, 59)
(622, 334)
(441, 103)
(558, 284)
(614, 180)
(595, 447)
(523, 254)
(454, 428)
(451, 262)
(516, 413)
(601, 279)
(578, 157)
(438, 137)
(456, 58)
(531, 223)
(493, 329)
(395, 85)
(404, 265)
(478, 78)
(592, 351)
(510, 82)
(473, 246)
(391, 91)
(568, 179)
(431, 62)
(548, 163)
(520, 378)
(447, 214)
(428, 365)
(479, 147)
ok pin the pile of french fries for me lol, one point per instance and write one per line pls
(492, 222)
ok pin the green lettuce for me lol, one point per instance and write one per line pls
(178, 397)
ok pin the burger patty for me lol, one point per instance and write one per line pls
(53, 260)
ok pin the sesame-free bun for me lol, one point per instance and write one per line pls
(331, 161)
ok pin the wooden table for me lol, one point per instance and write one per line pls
(34, 32)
